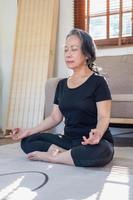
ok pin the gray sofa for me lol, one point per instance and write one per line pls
(50, 88)
(119, 73)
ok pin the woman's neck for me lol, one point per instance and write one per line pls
(82, 73)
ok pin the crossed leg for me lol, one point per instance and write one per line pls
(81, 155)
(56, 149)
(55, 154)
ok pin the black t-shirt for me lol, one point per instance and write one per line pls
(78, 105)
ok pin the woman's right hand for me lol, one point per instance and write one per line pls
(18, 133)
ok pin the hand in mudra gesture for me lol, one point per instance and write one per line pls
(18, 133)
(94, 137)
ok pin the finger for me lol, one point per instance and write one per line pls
(89, 140)
(84, 137)
(86, 141)
(14, 131)
(11, 136)
(11, 132)
(8, 136)
(16, 137)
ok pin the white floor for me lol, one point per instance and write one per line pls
(115, 181)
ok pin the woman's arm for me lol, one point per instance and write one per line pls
(103, 119)
(51, 121)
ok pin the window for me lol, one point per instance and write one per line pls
(110, 22)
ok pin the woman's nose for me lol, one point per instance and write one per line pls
(69, 53)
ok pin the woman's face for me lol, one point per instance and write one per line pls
(74, 57)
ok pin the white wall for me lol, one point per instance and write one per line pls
(65, 25)
(115, 51)
(8, 13)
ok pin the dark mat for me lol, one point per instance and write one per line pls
(122, 136)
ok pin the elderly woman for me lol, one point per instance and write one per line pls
(84, 100)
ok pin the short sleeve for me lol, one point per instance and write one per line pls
(57, 91)
(102, 91)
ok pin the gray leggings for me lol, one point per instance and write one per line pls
(83, 155)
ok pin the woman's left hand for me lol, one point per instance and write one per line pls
(94, 137)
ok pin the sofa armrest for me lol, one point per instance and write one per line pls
(122, 97)
(50, 89)
(121, 121)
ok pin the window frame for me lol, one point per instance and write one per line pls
(82, 17)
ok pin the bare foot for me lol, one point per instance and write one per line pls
(41, 156)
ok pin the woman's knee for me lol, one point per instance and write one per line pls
(35, 143)
(26, 142)
(25, 145)
(93, 155)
